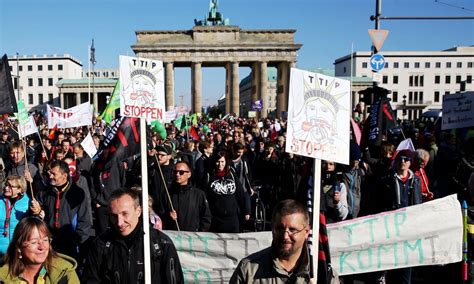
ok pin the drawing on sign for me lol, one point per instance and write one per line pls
(377, 62)
(378, 37)
(318, 116)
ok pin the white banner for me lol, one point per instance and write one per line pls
(318, 116)
(28, 128)
(458, 110)
(426, 234)
(80, 115)
(170, 116)
(142, 89)
(212, 258)
(89, 146)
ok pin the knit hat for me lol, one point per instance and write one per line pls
(164, 148)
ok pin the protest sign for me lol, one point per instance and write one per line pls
(425, 234)
(89, 146)
(142, 92)
(80, 115)
(27, 128)
(318, 116)
(170, 116)
(458, 110)
(212, 258)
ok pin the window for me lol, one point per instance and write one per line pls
(458, 79)
(469, 79)
(20, 68)
(422, 79)
(410, 97)
(436, 97)
(427, 65)
(30, 67)
(50, 98)
(40, 67)
(15, 83)
(395, 64)
(448, 64)
(50, 81)
(30, 82)
(469, 65)
(421, 97)
(459, 65)
(447, 79)
(385, 80)
(40, 82)
(416, 81)
(364, 64)
(410, 81)
(417, 64)
(395, 79)
(60, 67)
(406, 65)
(386, 65)
(50, 67)
(40, 99)
(438, 64)
(437, 79)
(395, 96)
(30, 99)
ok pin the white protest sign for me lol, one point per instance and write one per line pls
(458, 110)
(142, 91)
(170, 116)
(212, 258)
(72, 117)
(89, 146)
(425, 234)
(318, 116)
(28, 128)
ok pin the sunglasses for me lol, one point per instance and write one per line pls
(180, 172)
(404, 159)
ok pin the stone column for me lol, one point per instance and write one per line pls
(255, 85)
(61, 99)
(196, 87)
(282, 88)
(264, 88)
(169, 85)
(78, 99)
(228, 92)
(96, 101)
(235, 89)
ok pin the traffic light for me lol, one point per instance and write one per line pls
(371, 94)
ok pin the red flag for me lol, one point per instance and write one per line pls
(52, 132)
(193, 133)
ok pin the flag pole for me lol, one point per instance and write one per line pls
(145, 209)
(315, 209)
(89, 73)
(167, 191)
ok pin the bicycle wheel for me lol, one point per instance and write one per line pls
(259, 220)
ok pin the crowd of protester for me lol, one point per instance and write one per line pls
(199, 182)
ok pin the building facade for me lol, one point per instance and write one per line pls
(246, 91)
(38, 76)
(418, 79)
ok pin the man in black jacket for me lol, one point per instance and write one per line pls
(190, 209)
(116, 256)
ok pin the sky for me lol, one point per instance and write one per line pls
(327, 29)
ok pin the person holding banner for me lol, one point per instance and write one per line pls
(287, 260)
(401, 188)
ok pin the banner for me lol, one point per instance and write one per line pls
(170, 116)
(142, 89)
(212, 258)
(425, 234)
(28, 128)
(89, 146)
(458, 110)
(72, 117)
(7, 95)
(318, 116)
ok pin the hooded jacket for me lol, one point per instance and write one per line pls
(63, 271)
(19, 210)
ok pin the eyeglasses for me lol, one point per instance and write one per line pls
(404, 159)
(180, 172)
(36, 242)
(291, 231)
(11, 186)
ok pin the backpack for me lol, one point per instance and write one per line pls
(352, 179)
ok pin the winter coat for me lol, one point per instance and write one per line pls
(63, 272)
(18, 212)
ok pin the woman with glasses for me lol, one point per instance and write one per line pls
(14, 205)
(228, 202)
(31, 259)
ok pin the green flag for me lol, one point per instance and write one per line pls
(180, 122)
(113, 104)
(22, 113)
(159, 128)
(194, 119)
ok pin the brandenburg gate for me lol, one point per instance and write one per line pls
(223, 46)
